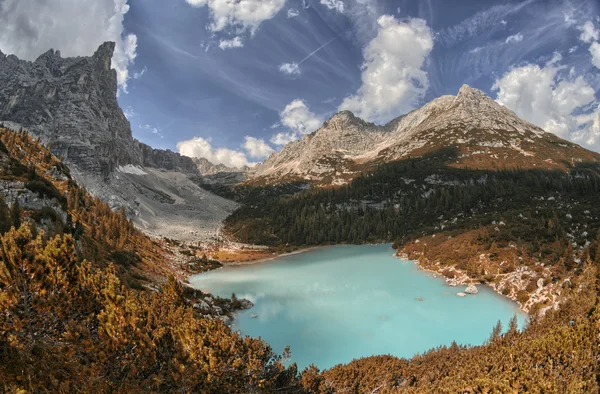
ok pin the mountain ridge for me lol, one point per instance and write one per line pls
(479, 127)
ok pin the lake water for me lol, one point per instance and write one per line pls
(335, 304)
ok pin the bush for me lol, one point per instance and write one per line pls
(125, 258)
(522, 296)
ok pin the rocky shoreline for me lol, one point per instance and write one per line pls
(548, 294)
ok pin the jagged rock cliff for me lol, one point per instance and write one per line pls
(483, 133)
(71, 105)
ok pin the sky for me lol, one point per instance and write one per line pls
(235, 80)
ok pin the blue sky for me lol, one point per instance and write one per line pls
(232, 80)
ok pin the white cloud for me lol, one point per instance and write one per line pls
(595, 51)
(284, 138)
(589, 33)
(257, 147)
(392, 79)
(299, 119)
(503, 22)
(543, 96)
(244, 14)
(140, 74)
(200, 147)
(292, 13)
(235, 42)
(29, 28)
(337, 5)
(290, 69)
(515, 38)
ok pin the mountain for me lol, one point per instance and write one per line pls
(70, 104)
(485, 134)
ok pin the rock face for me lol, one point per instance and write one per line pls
(71, 105)
(480, 132)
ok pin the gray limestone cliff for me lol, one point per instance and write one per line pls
(71, 105)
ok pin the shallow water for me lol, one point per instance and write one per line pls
(335, 304)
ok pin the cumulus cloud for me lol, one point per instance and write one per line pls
(292, 13)
(337, 5)
(515, 38)
(298, 119)
(552, 101)
(393, 80)
(235, 42)
(290, 69)
(29, 28)
(589, 33)
(244, 14)
(201, 148)
(257, 147)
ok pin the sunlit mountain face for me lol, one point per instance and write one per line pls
(233, 82)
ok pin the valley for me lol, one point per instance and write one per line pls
(102, 236)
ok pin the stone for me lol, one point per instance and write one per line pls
(540, 283)
(245, 304)
(461, 294)
(471, 289)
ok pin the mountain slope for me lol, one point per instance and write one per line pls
(70, 104)
(485, 135)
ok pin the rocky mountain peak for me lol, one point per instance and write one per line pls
(470, 121)
(103, 55)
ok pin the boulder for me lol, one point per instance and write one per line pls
(245, 304)
(540, 283)
(471, 289)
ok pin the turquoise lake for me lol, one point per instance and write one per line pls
(335, 304)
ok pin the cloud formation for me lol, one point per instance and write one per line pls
(246, 14)
(29, 28)
(393, 79)
(290, 69)
(299, 120)
(551, 100)
(292, 13)
(235, 42)
(515, 38)
(337, 5)
(257, 147)
(201, 148)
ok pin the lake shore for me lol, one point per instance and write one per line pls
(271, 258)
(462, 279)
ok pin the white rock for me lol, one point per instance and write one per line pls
(471, 289)
(461, 294)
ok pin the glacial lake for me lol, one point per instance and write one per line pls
(335, 304)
